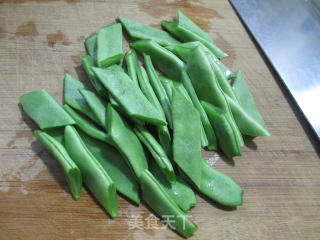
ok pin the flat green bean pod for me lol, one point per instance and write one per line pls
(129, 96)
(87, 126)
(164, 206)
(126, 142)
(44, 110)
(166, 61)
(116, 167)
(94, 175)
(132, 63)
(69, 167)
(138, 30)
(91, 44)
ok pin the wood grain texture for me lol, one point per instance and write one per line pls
(40, 41)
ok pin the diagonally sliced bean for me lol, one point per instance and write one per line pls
(168, 85)
(164, 206)
(185, 35)
(44, 110)
(87, 127)
(129, 96)
(179, 191)
(97, 105)
(163, 131)
(138, 30)
(158, 88)
(186, 141)
(126, 142)
(73, 98)
(94, 175)
(212, 141)
(87, 63)
(109, 45)
(157, 152)
(166, 61)
(116, 167)
(245, 98)
(226, 137)
(132, 63)
(91, 44)
(69, 167)
(245, 122)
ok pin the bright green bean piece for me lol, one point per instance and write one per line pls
(138, 30)
(129, 96)
(164, 206)
(168, 85)
(91, 44)
(179, 191)
(87, 63)
(157, 152)
(73, 98)
(190, 25)
(245, 98)
(183, 50)
(94, 175)
(70, 169)
(163, 131)
(116, 167)
(97, 105)
(245, 122)
(222, 80)
(109, 42)
(212, 141)
(132, 63)
(166, 61)
(44, 110)
(126, 142)
(186, 141)
(227, 140)
(87, 126)
(185, 35)
(158, 88)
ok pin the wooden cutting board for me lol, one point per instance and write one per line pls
(40, 40)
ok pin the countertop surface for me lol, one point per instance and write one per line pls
(40, 40)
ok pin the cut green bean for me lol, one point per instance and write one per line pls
(94, 175)
(164, 206)
(138, 30)
(87, 63)
(166, 61)
(245, 98)
(129, 96)
(97, 105)
(186, 141)
(73, 98)
(179, 191)
(87, 127)
(157, 152)
(44, 110)
(212, 141)
(109, 43)
(126, 142)
(116, 167)
(69, 167)
(91, 44)
(132, 63)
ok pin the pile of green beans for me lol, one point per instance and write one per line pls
(140, 133)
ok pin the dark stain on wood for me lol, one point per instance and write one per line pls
(76, 60)
(80, 38)
(2, 32)
(197, 13)
(28, 30)
(53, 38)
(226, 47)
(22, 134)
